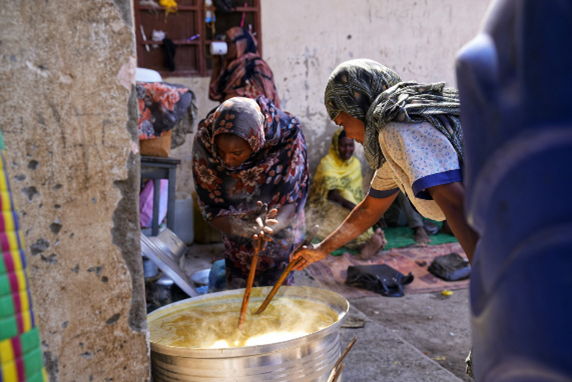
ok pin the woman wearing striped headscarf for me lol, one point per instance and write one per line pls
(412, 136)
(243, 73)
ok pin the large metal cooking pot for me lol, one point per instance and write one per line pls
(305, 359)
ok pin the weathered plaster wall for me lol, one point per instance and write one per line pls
(199, 85)
(304, 41)
(67, 113)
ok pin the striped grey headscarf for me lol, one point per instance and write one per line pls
(374, 94)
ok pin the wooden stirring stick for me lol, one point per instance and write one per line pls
(278, 284)
(259, 243)
(286, 272)
(260, 240)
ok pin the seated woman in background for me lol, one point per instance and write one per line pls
(336, 188)
(243, 73)
(245, 151)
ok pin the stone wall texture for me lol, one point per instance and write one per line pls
(303, 41)
(68, 117)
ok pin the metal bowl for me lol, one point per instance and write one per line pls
(309, 358)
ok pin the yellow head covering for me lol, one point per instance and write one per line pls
(333, 173)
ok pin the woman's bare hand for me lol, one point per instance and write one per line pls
(264, 222)
(308, 255)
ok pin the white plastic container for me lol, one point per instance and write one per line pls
(184, 225)
(218, 48)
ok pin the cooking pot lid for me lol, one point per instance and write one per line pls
(165, 261)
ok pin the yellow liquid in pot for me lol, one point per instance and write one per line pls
(214, 325)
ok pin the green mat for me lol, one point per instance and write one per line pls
(399, 237)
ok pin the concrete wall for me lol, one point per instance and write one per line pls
(67, 113)
(304, 41)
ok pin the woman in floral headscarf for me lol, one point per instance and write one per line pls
(412, 136)
(243, 73)
(248, 150)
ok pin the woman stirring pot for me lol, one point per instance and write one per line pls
(246, 151)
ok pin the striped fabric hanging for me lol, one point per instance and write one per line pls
(20, 352)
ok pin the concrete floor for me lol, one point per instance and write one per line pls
(415, 338)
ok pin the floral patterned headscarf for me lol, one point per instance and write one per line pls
(275, 173)
(246, 74)
(374, 94)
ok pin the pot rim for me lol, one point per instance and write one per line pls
(334, 300)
